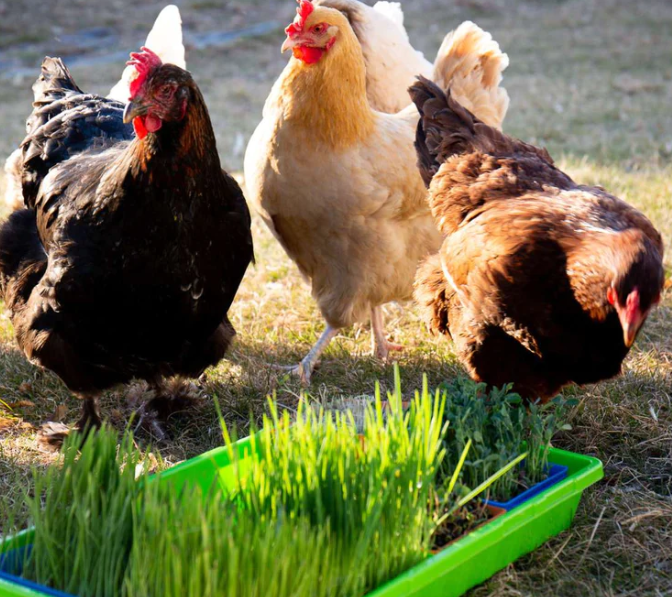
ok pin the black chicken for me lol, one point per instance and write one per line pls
(132, 248)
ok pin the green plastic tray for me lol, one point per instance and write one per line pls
(465, 564)
(480, 554)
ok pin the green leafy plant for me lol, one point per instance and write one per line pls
(499, 428)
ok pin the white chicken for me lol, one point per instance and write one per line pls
(336, 181)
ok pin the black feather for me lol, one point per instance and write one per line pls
(131, 251)
(65, 122)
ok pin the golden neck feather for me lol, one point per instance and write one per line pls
(329, 98)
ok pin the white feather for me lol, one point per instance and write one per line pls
(13, 187)
(165, 39)
(469, 61)
(392, 64)
(392, 10)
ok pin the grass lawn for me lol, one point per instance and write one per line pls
(589, 79)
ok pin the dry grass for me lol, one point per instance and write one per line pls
(592, 80)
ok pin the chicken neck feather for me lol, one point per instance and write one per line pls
(342, 115)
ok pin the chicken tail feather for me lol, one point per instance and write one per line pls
(54, 83)
(393, 11)
(445, 128)
(471, 63)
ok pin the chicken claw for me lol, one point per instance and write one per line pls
(305, 368)
(303, 372)
(299, 371)
(380, 346)
(52, 434)
(162, 400)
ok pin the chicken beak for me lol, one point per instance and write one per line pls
(133, 110)
(630, 327)
(289, 44)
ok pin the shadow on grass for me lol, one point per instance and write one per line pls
(631, 411)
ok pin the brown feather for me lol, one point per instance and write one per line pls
(529, 256)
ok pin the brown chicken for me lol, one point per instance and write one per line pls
(336, 181)
(540, 281)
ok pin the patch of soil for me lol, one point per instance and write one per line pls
(465, 520)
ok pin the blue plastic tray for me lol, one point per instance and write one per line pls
(12, 561)
(555, 475)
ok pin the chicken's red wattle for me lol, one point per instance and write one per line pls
(139, 127)
(307, 54)
(146, 124)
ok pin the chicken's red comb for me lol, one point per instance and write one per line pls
(145, 62)
(302, 13)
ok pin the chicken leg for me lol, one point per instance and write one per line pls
(170, 397)
(380, 346)
(305, 368)
(53, 434)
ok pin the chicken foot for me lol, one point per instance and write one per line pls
(305, 368)
(380, 346)
(52, 434)
(169, 398)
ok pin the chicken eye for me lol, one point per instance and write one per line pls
(318, 29)
(166, 92)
